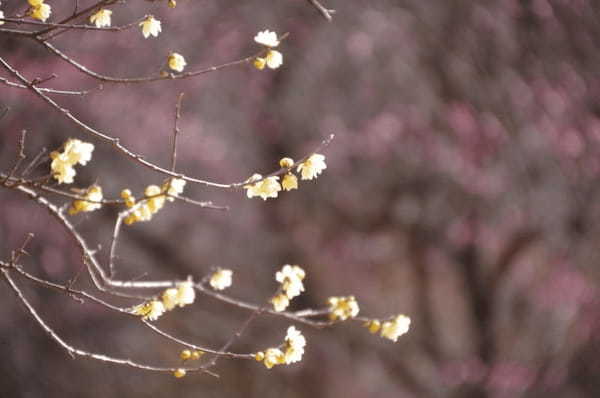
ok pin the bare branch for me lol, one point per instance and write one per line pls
(176, 131)
(324, 11)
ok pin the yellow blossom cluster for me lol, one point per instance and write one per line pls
(273, 59)
(291, 351)
(101, 18)
(342, 308)
(176, 62)
(391, 329)
(192, 355)
(93, 196)
(74, 152)
(270, 187)
(290, 277)
(179, 296)
(154, 200)
(187, 355)
(39, 10)
(265, 188)
(150, 26)
(221, 279)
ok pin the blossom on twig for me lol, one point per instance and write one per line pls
(150, 26)
(101, 18)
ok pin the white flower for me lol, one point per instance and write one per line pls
(221, 279)
(289, 182)
(312, 167)
(395, 328)
(342, 308)
(173, 187)
(94, 195)
(267, 38)
(150, 26)
(280, 302)
(176, 62)
(78, 151)
(101, 18)
(186, 293)
(295, 343)
(1, 16)
(272, 357)
(150, 310)
(169, 298)
(267, 188)
(274, 59)
(181, 295)
(291, 277)
(75, 151)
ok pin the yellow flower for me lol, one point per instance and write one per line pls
(197, 355)
(259, 356)
(179, 373)
(291, 277)
(128, 198)
(172, 4)
(286, 163)
(395, 328)
(176, 62)
(221, 279)
(259, 63)
(150, 26)
(94, 194)
(280, 302)
(155, 199)
(41, 12)
(289, 182)
(185, 355)
(272, 357)
(267, 188)
(373, 325)
(267, 38)
(35, 3)
(62, 170)
(342, 308)
(181, 296)
(295, 342)
(101, 18)
(149, 310)
(274, 59)
(312, 167)
(1, 16)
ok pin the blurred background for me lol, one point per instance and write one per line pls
(461, 189)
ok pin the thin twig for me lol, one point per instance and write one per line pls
(176, 131)
(233, 338)
(72, 27)
(147, 79)
(49, 90)
(72, 351)
(34, 162)
(324, 11)
(139, 158)
(220, 352)
(20, 158)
